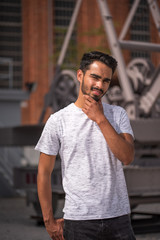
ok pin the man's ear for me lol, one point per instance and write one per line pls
(79, 75)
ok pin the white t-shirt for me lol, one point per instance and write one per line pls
(92, 177)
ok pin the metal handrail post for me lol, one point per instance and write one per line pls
(69, 32)
(115, 48)
(129, 19)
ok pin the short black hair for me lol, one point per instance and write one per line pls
(89, 58)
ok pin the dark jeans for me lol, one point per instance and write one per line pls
(118, 228)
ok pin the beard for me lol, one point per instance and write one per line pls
(86, 91)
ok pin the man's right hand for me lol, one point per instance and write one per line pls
(55, 230)
(45, 168)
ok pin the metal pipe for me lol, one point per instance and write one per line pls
(10, 74)
(69, 32)
(154, 8)
(115, 48)
(136, 45)
(129, 19)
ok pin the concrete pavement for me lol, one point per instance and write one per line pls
(16, 222)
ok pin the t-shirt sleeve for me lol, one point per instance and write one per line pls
(49, 141)
(125, 126)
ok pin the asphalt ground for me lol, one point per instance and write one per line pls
(16, 222)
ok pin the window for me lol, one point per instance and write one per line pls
(10, 44)
(140, 27)
(63, 11)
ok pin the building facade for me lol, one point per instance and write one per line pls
(32, 33)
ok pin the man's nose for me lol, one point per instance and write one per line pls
(99, 84)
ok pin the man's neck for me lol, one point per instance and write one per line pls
(79, 102)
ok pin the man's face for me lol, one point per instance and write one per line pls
(95, 82)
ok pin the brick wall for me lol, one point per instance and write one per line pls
(36, 56)
(37, 44)
(91, 33)
(155, 38)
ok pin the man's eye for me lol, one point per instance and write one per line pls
(107, 81)
(95, 78)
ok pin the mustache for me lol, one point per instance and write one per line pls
(94, 88)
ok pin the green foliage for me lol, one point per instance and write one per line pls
(75, 51)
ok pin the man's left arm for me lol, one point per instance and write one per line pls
(121, 145)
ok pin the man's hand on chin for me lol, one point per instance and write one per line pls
(93, 109)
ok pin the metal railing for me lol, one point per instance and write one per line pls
(6, 73)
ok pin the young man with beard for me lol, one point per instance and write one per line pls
(94, 140)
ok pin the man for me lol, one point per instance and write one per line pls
(94, 140)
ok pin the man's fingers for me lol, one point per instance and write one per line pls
(88, 98)
(84, 110)
(56, 231)
(87, 103)
(58, 237)
(61, 224)
(61, 221)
